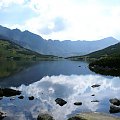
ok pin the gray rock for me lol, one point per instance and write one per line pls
(93, 116)
(31, 98)
(60, 101)
(2, 115)
(94, 101)
(96, 85)
(21, 97)
(114, 109)
(44, 117)
(115, 101)
(78, 103)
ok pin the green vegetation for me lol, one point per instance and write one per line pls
(106, 66)
(14, 58)
(106, 61)
(12, 51)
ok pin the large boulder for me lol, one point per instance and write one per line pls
(115, 101)
(93, 116)
(44, 117)
(2, 115)
(114, 109)
(60, 101)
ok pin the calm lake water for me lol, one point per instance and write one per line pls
(48, 80)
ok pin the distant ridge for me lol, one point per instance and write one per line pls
(54, 47)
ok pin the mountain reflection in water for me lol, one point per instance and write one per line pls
(73, 88)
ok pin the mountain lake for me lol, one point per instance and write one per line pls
(48, 80)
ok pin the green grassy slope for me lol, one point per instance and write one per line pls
(107, 61)
(12, 51)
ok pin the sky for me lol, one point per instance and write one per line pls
(63, 19)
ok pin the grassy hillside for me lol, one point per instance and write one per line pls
(107, 61)
(12, 51)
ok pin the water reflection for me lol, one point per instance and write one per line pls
(45, 68)
(72, 88)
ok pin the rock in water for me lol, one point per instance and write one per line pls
(94, 101)
(78, 103)
(2, 115)
(96, 85)
(31, 98)
(44, 117)
(114, 109)
(21, 97)
(115, 101)
(60, 101)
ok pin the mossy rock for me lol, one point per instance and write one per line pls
(44, 117)
(93, 116)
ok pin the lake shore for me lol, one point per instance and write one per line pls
(94, 116)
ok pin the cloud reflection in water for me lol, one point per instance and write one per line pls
(72, 89)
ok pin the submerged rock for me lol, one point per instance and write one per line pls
(114, 109)
(21, 97)
(12, 98)
(96, 85)
(115, 101)
(2, 115)
(1, 98)
(78, 103)
(94, 101)
(7, 92)
(60, 101)
(44, 117)
(31, 98)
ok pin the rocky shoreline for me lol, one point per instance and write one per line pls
(93, 116)
(82, 116)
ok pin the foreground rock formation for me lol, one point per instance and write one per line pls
(93, 116)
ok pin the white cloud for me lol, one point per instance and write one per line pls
(88, 19)
(72, 89)
(6, 3)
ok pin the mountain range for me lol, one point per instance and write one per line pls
(65, 48)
